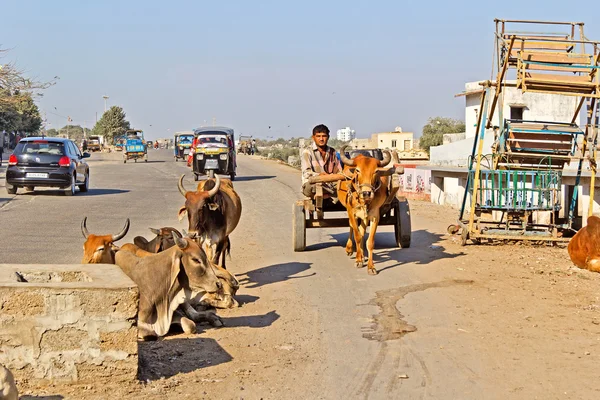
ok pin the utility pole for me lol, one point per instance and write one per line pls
(214, 121)
(105, 97)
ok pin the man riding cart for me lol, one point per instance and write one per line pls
(319, 159)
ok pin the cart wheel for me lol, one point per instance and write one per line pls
(299, 226)
(464, 236)
(211, 173)
(402, 227)
(232, 176)
(196, 177)
(453, 229)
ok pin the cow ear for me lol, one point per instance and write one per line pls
(114, 247)
(182, 212)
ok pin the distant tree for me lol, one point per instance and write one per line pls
(14, 84)
(30, 120)
(52, 132)
(112, 124)
(73, 132)
(436, 127)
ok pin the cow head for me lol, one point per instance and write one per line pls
(100, 249)
(196, 267)
(196, 203)
(366, 173)
(162, 241)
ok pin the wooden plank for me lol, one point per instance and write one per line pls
(567, 79)
(539, 67)
(328, 223)
(557, 58)
(544, 45)
(567, 91)
(543, 137)
(518, 144)
(547, 126)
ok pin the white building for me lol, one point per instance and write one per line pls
(346, 134)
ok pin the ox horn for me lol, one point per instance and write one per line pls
(155, 231)
(346, 160)
(214, 190)
(84, 230)
(180, 186)
(121, 234)
(387, 157)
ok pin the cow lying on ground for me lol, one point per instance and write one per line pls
(221, 299)
(100, 249)
(363, 195)
(168, 280)
(584, 247)
(213, 212)
(162, 241)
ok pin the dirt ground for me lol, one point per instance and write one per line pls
(526, 304)
(439, 321)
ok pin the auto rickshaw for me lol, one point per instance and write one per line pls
(214, 152)
(183, 144)
(135, 147)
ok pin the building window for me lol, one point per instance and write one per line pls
(393, 143)
(516, 113)
(407, 145)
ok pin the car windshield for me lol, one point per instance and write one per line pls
(212, 139)
(40, 147)
(186, 139)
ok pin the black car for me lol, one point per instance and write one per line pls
(48, 162)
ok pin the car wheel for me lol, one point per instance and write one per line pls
(10, 189)
(86, 184)
(70, 191)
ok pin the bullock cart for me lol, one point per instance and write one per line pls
(310, 213)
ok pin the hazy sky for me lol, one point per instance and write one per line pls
(253, 64)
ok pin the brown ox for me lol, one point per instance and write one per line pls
(162, 241)
(168, 280)
(584, 247)
(363, 194)
(100, 249)
(213, 212)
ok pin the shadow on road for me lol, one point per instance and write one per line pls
(420, 251)
(253, 178)
(251, 321)
(246, 298)
(50, 397)
(90, 192)
(169, 357)
(274, 273)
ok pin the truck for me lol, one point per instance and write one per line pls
(95, 143)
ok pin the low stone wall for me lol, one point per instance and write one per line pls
(68, 322)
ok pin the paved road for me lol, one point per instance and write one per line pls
(311, 324)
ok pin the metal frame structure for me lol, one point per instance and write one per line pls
(524, 171)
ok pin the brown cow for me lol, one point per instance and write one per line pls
(584, 247)
(168, 280)
(363, 194)
(162, 241)
(100, 249)
(213, 212)
(221, 299)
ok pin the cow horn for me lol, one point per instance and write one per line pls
(180, 186)
(387, 157)
(84, 230)
(346, 160)
(121, 234)
(214, 190)
(181, 243)
(155, 231)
